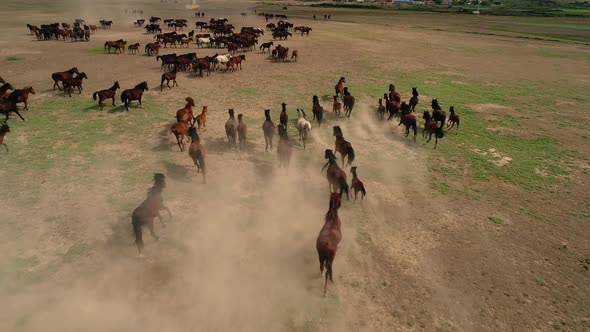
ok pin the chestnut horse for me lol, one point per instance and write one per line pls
(186, 113)
(197, 152)
(391, 106)
(394, 95)
(329, 238)
(127, 96)
(106, 94)
(74, 82)
(339, 88)
(343, 146)
(408, 119)
(381, 109)
(430, 127)
(180, 130)
(335, 175)
(202, 118)
(336, 107)
(357, 185)
(284, 117)
(148, 210)
(62, 76)
(268, 128)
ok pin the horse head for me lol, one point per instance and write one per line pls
(4, 128)
(435, 104)
(74, 70)
(415, 91)
(116, 85)
(190, 101)
(452, 109)
(284, 106)
(426, 116)
(337, 131)
(159, 180)
(231, 112)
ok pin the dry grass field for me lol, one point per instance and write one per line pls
(489, 232)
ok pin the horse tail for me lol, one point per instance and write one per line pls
(439, 132)
(363, 191)
(123, 97)
(414, 127)
(137, 232)
(94, 95)
(350, 155)
(105, 45)
(329, 261)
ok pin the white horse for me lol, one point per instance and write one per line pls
(222, 59)
(201, 41)
(303, 126)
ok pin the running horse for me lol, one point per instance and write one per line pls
(438, 115)
(197, 151)
(284, 117)
(231, 128)
(339, 88)
(329, 238)
(335, 175)
(63, 76)
(268, 128)
(343, 146)
(408, 119)
(148, 210)
(348, 101)
(106, 94)
(317, 110)
(127, 96)
(8, 105)
(22, 96)
(284, 148)
(430, 127)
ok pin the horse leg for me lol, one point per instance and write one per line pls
(113, 100)
(26, 106)
(140, 105)
(168, 84)
(151, 228)
(435, 141)
(175, 83)
(457, 128)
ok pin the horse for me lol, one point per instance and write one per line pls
(317, 110)
(453, 119)
(152, 48)
(118, 45)
(22, 96)
(8, 105)
(294, 55)
(329, 237)
(197, 152)
(339, 88)
(180, 129)
(438, 115)
(266, 46)
(133, 49)
(336, 107)
(242, 131)
(391, 106)
(106, 94)
(186, 113)
(303, 126)
(4, 129)
(62, 76)
(284, 117)
(284, 148)
(414, 100)
(5, 87)
(357, 185)
(335, 175)
(393, 95)
(408, 119)
(127, 96)
(343, 146)
(169, 76)
(148, 210)
(381, 109)
(202, 118)
(70, 83)
(268, 128)
(348, 101)
(231, 128)
(430, 127)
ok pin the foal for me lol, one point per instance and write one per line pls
(336, 107)
(453, 119)
(357, 184)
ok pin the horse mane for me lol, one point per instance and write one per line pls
(159, 181)
(338, 131)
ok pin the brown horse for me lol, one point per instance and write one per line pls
(343, 146)
(294, 55)
(453, 119)
(22, 96)
(408, 119)
(152, 48)
(317, 110)
(268, 128)
(284, 148)
(329, 238)
(381, 109)
(74, 82)
(8, 105)
(4, 129)
(348, 101)
(438, 115)
(335, 175)
(5, 87)
(336, 107)
(414, 100)
(197, 152)
(118, 45)
(180, 130)
(394, 95)
(391, 106)
(106, 94)
(134, 48)
(430, 127)
(202, 118)
(169, 76)
(62, 76)
(127, 96)
(148, 210)
(242, 131)
(339, 88)
(284, 117)
(231, 128)
(186, 114)
(357, 185)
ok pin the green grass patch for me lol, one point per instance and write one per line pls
(495, 220)
(544, 35)
(99, 50)
(248, 92)
(12, 58)
(585, 215)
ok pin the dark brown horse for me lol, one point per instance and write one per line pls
(8, 105)
(242, 131)
(453, 119)
(394, 95)
(284, 148)
(169, 76)
(329, 238)
(408, 119)
(284, 117)
(339, 88)
(438, 115)
(134, 48)
(127, 96)
(343, 146)
(335, 175)
(22, 96)
(268, 128)
(414, 100)
(348, 101)
(391, 106)
(357, 185)
(430, 127)
(4, 129)
(74, 82)
(62, 76)
(231, 129)
(106, 94)
(5, 87)
(317, 110)
(197, 152)
(148, 210)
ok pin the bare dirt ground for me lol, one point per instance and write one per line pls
(239, 253)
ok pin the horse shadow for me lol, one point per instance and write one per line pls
(219, 145)
(117, 109)
(176, 172)
(327, 98)
(164, 140)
